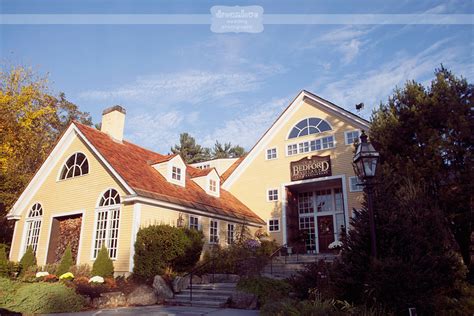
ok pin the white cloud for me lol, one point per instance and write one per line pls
(189, 86)
(347, 40)
(157, 131)
(376, 85)
(246, 129)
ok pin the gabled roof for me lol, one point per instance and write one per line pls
(132, 163)
(231, 169)
(234, 171)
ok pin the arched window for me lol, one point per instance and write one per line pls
(107, 223)
(33, 226)
(76, 165)
(308, 126)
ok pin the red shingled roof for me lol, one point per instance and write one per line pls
(232, 168)
(132, 163)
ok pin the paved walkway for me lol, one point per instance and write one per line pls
(160, 310)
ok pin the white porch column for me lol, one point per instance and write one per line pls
(284, 203)
(137, 211)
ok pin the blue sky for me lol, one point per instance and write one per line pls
(230, 87)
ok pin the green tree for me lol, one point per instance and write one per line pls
(31, 119)
(226, 150)
(66, 261)
(418, 263)
(189, 150)
(427, 134)
(103, 265)
(28, 260)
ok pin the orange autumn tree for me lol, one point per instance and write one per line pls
(31, 119)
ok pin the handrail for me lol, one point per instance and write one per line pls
(203, 265)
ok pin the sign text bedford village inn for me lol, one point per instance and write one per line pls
(311, 167)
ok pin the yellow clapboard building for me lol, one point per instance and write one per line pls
(95, 188)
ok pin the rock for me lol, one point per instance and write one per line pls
(180, 283)
(196, 279)
(142, 295)
(225, 278)
(243, 300)
(161, 288)
(206, 279)
(109, 300)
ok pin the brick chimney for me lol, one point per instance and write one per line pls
(113, 122)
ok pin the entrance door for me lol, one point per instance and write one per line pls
(325, 232)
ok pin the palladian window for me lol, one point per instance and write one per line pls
(107, 223)
(76, 165)
(33, 226)
(309, 126)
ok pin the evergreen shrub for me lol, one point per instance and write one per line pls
(159, 247)
(36, 298)
(4, 263)
(66, 262)
(28, 260)
(192, 252)
(103, 265)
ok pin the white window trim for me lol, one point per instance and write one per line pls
(310, 151)
(360, 189)
(96, 213)
(58, 176)
(268, 225)
(278, 195)
(289, 132)
(276, 153)
(217, 231)
(23, 245)
(346, 133)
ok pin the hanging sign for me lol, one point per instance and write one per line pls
(310, 167)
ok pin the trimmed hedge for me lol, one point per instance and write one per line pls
(161, 247)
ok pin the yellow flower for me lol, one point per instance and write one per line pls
(67, 275)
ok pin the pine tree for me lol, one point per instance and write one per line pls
(28, 260)
(103, 265)
(66, 261)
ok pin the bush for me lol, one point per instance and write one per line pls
(103, 265)
(51, 268)
(66, 262)
(4, 263)
(157, 248)
(40, 298)
(82, 270)
(28, 260)
(266, 289)
(248, 258)
(316, 275)
(192, 253)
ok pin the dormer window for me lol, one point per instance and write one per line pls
(212, 185)
(173, 169)
(176, 173)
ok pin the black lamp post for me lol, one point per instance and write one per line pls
(365, 164)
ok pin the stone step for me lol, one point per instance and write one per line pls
(209, 292)
(201, 297)
(215, 286)
(199, 303)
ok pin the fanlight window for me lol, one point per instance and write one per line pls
(309, 126)
(110, 197)
(76, 165)
(107, 224)
(33, 226)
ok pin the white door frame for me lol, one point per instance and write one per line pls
(284, 203)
